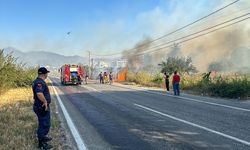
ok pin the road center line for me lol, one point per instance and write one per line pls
(90, 88)
(199, 101)
(195, 125)
(186, 98)
(74, 131)
(181, 97)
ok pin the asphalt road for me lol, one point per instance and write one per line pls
(118, 117)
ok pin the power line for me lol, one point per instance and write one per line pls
(153, 49)
(199, 31)
(228, 16)
(185, 26)
(193, 37)
(191, 23)
(211, 19)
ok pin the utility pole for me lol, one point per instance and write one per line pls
(89, 64)
(92, 67)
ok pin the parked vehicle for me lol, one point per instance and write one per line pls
(72, 74)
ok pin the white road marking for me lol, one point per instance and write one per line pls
(195, 125)
(187, 122)
(74, 131)
(210, 103)
(191, 99)
(180, 97)
(90, 88)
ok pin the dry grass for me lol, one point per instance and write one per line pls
(19, 122)
(235, 86)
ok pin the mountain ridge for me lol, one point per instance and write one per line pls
(44, 58)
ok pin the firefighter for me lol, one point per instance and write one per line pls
(41, 107)
(86, 78)
(101, 78)
(105, 77)
(110, 78)
(79, 79)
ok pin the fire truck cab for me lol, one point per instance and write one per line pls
(72, 74)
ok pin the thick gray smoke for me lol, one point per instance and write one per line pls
(230, 47)
(136, 61)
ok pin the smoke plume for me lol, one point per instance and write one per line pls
(229, 47)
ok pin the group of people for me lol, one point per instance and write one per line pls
(106, 78)
(175, 82)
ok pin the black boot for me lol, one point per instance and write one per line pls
(44, 145)
(47, 139)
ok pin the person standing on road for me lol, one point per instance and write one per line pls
(101, 77)
(41, 107)
(110, 78)
(166, 77)
(176, 83)
(105, 78)
(86, 78)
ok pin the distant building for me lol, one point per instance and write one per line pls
(119, 63)
(101, 64)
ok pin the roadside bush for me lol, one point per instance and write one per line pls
(158, 78)
(143, 78)
(230, 87)
(131, 77)
(139, 78)
(189, 82)
(227, 86)
(26, 77)
(12, 74)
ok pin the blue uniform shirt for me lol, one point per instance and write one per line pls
(40, 86)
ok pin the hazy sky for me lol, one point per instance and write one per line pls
(101, 26)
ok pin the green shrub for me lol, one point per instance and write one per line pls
(158, 78)
(230, 87)
(26, 77)
(12, 74)
(222, 86)
(189, 82)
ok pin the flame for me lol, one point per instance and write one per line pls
(121, 76)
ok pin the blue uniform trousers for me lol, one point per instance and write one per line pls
(43, 122)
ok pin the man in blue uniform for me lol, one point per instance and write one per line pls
(41, 107)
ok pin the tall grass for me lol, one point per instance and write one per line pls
(143, 78)
(225, 86)
(229, 86)
(19, 122)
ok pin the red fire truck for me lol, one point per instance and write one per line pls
(72, 74)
